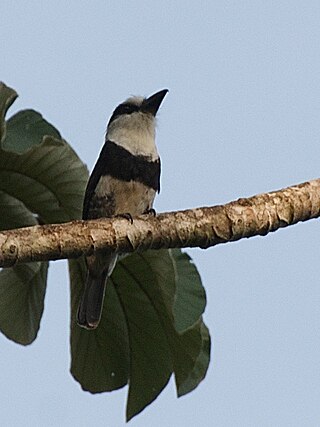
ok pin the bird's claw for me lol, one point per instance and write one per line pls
(126, 215)
(150, 212)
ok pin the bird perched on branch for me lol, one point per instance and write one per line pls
(123, 182)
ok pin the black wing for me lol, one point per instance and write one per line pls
(93, 181)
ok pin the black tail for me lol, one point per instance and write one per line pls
(90, 307)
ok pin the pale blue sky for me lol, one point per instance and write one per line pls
(242, 117)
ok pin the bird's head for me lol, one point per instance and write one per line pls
(132, 124)
(137, 106)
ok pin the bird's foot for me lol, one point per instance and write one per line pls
(126, 215)
(150, 212)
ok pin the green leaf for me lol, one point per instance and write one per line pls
(140, 295)
(49, 179)
(22, 291)
(22, 287)
(188, 381)
(25, 129)
(150, 357)
(13, 213)
(7, 97)
(99, 358)
(185, 348)
(41, 179)
(190, 300)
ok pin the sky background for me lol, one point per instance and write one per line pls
(242, 117)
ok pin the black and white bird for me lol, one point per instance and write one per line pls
(124, 181)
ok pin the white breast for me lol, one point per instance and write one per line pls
(129, 197)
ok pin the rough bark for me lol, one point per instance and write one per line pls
(200, 227)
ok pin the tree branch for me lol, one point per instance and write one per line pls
(201, 227)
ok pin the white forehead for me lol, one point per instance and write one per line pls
(135, 100)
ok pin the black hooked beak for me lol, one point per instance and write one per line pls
(151, 105)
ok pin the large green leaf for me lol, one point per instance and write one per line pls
(49, 179)
(7, 97)
(199, 356)
(151, 361)
(190, 301)
(22, 288)
(141, 296)
(185, 348)
(181, 286)
(41, 180)
(22, 291)
(100, 358)
(25, 129)
(13, 213)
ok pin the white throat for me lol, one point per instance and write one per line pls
(136, 133)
